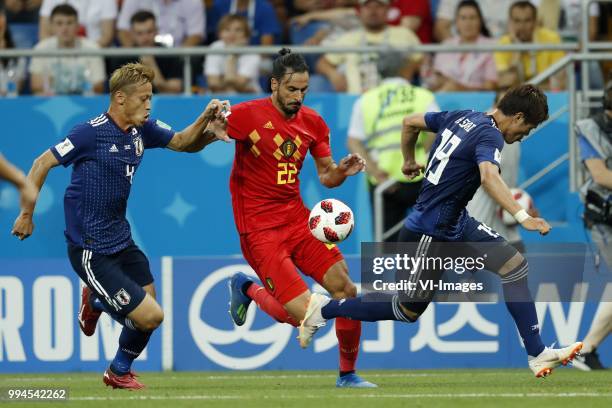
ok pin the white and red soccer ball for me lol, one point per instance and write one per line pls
(523, 198)
(331, 221)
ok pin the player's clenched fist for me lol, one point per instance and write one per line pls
(23, 226)
(411, 169)
(536, 224)
(216, 114)
(217, 109)
(352, 164)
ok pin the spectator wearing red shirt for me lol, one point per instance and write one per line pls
(415, 15)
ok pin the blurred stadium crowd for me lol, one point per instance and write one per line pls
(90, 24)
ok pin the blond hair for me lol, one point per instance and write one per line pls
(130, 75)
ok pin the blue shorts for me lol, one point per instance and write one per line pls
(475, 233)
(116, 279)
(476, 241)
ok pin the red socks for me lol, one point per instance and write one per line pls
(348, 333)
(269, 304)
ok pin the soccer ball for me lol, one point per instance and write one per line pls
(523, 198)
(331, 221)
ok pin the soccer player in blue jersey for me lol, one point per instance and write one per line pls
(105, 153)
(465, 155)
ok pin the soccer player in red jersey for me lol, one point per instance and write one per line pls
(273, 136)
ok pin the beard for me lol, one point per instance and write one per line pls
(289, 109)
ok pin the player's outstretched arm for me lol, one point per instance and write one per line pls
(24, 226)
(27, 192)
(495, 186)
(411, 127)
(207, 128)
(332, 175)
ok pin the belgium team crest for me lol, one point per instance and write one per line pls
(288, 148)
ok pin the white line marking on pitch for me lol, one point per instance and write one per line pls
(356, 395)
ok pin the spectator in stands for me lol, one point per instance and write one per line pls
(304, 6)
(466, 71)
(263, 22)
(314, 27)
(415, 15)
(22, 11)
(517, 67)
(181, 22)
(357, 73)
(494, 17)
(97, 19)
(12, 70)
(22, 17)
(74, 75)
(565, 16)
(168, 70)
(329, 22)
(375, 133)
(232, 73)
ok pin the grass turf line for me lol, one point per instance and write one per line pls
(416, 388)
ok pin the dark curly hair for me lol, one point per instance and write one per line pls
(526, 99)
(286, 61)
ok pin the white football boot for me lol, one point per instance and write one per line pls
(313, 320)
(551, 358)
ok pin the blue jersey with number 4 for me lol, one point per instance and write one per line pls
(464, 139)
(104, 159)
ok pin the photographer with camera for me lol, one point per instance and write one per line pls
(595, 140)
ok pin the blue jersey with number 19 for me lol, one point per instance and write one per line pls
(464, 139)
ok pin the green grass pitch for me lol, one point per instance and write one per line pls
(271, 389)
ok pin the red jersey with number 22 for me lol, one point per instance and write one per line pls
(270, 151)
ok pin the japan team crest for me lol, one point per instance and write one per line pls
(123, 297)
(288, 148)
(139, 145)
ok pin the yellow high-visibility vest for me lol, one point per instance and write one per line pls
(384, 108)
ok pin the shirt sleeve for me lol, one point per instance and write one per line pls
(128, 8)
(266, 19)
(248, 66)
(503, 59)
(109, 10)
(321, 146)
(356, 126)
(37, 64)
(489, 147)
(195, 18)
(213, 65)
(79, 145)
(587, 151)
(433, 120)
(156, 133)
(239, 122)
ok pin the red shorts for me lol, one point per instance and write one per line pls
(277, 253)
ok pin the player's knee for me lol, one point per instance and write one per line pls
(346, 290)
(515, 269)
(152, 320)
(413, 310)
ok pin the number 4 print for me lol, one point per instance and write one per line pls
(129, 172)
(441, 156)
